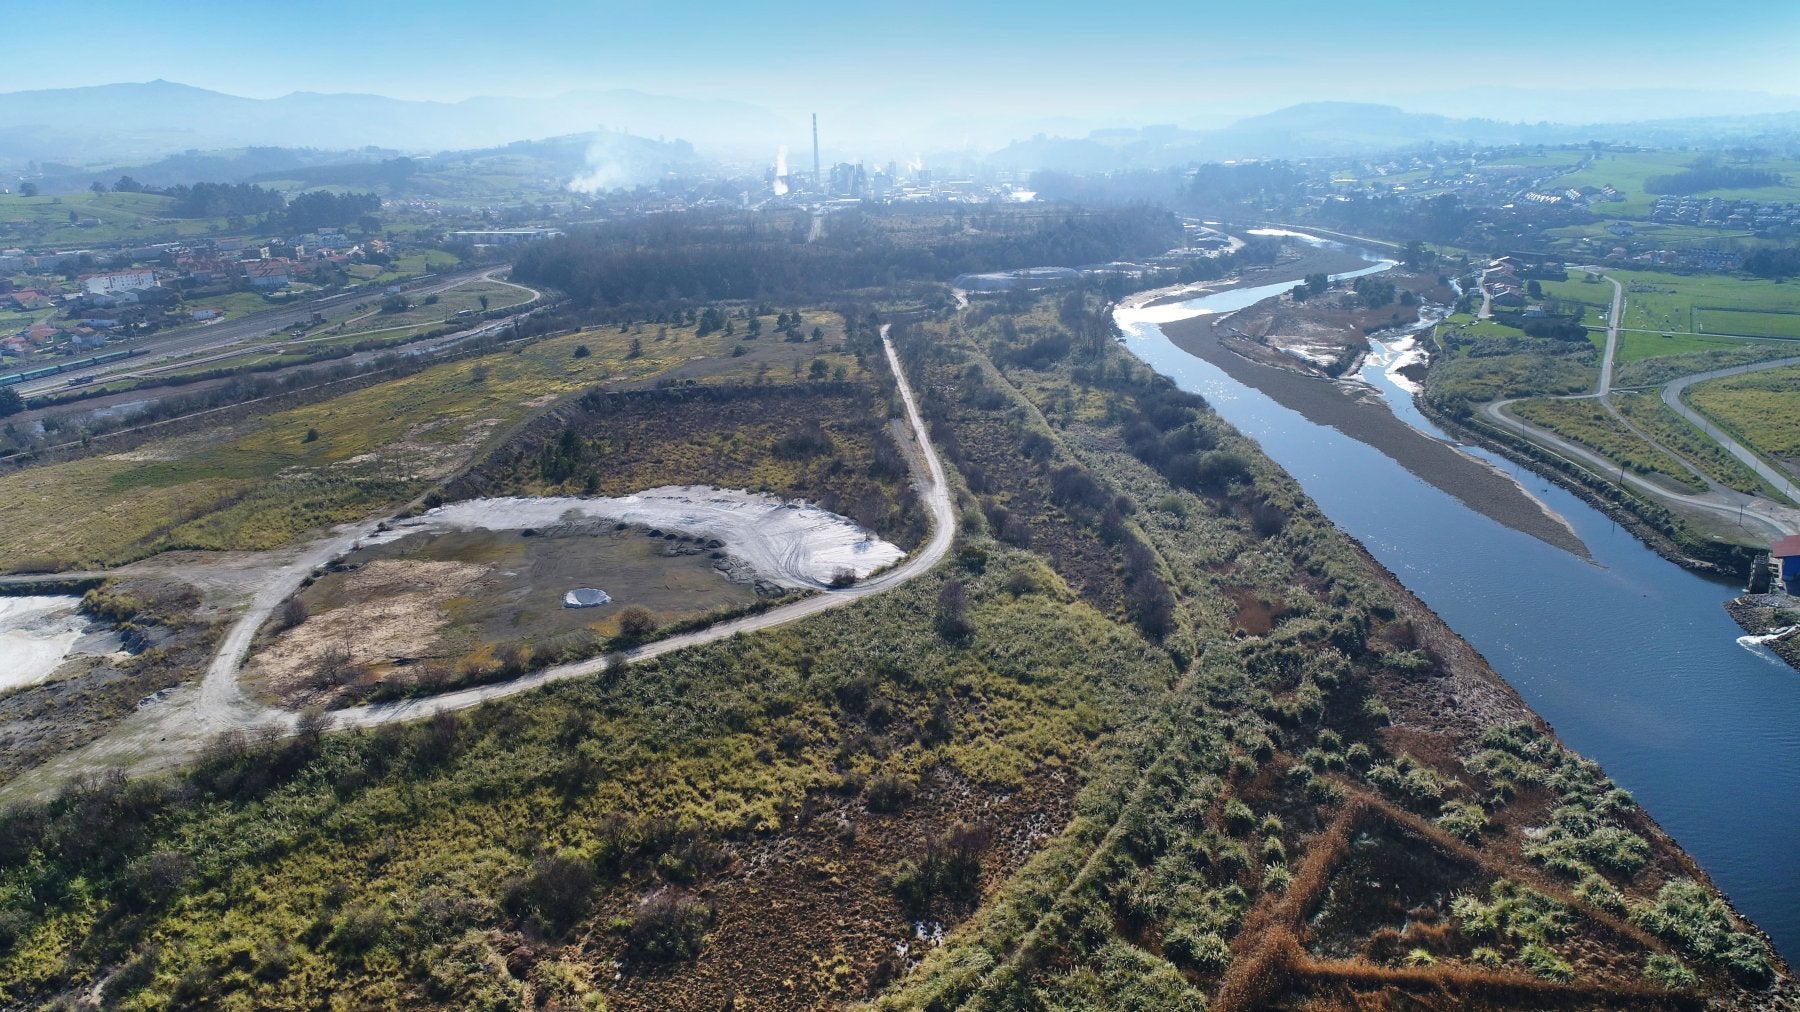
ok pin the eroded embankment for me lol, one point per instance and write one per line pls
(1472, 482)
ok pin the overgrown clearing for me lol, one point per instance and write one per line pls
(1482, 360)
(1590, 424)
(1137, 746)
(1650, 414)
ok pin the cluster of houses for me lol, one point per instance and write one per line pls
(96, 304)
(1745, 214)
(1501, 281)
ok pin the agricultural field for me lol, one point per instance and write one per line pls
(1636, 346)
(1667, 303)
(1594, 239)
(1760, 409)
(261, 483)
(1586, 422)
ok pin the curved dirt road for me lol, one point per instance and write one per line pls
(171, 732)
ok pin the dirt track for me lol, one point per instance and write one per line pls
(172, 732)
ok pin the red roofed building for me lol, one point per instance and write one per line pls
(1786, 553)
(267, 274)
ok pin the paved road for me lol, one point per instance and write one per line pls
(170, 733)
(1604, 387)
(1672, 396)
(206, 337)
(1718, 500)
(1723, 503)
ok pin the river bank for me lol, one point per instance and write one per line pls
(1310, 260)
(1634, 662)
(1472, 482)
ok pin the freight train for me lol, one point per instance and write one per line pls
(50, 370)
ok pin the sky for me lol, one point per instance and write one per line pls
(1191, 62)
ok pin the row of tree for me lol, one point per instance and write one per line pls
(730, 256)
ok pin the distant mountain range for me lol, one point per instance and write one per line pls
(119, 124)
(1324, 129)
(164, 133)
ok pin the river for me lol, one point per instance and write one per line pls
(1629, 657)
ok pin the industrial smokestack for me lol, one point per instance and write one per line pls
(816, 185)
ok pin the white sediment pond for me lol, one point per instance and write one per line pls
(36, 635)
(786, 542)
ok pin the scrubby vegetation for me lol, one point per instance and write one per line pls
(1156, 736)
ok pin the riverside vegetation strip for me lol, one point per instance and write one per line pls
(1142, 744)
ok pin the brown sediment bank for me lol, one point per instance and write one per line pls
(1477, 485)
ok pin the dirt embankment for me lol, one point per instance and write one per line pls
(1477, 485)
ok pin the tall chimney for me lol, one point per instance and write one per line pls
(816, 185)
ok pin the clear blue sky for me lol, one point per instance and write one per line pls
(1049, 59)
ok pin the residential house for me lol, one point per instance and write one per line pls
(268, 275)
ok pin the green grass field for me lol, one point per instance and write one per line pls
(1635, 346)
(1716, 320)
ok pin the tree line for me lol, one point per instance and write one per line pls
(732, 256)
(306, 212)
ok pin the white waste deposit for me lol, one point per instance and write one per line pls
(36, 634)
(789, 543)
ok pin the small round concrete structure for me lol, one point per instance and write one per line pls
(585, 597)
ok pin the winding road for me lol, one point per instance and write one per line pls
(171, 732)
(1718, 500)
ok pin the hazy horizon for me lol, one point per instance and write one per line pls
(933, 65)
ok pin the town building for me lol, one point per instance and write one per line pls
(118, 281)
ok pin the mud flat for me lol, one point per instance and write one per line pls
(787, 543)
(1476, 484)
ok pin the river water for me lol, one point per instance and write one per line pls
(1630, 658)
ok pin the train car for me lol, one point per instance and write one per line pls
(31, 374)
